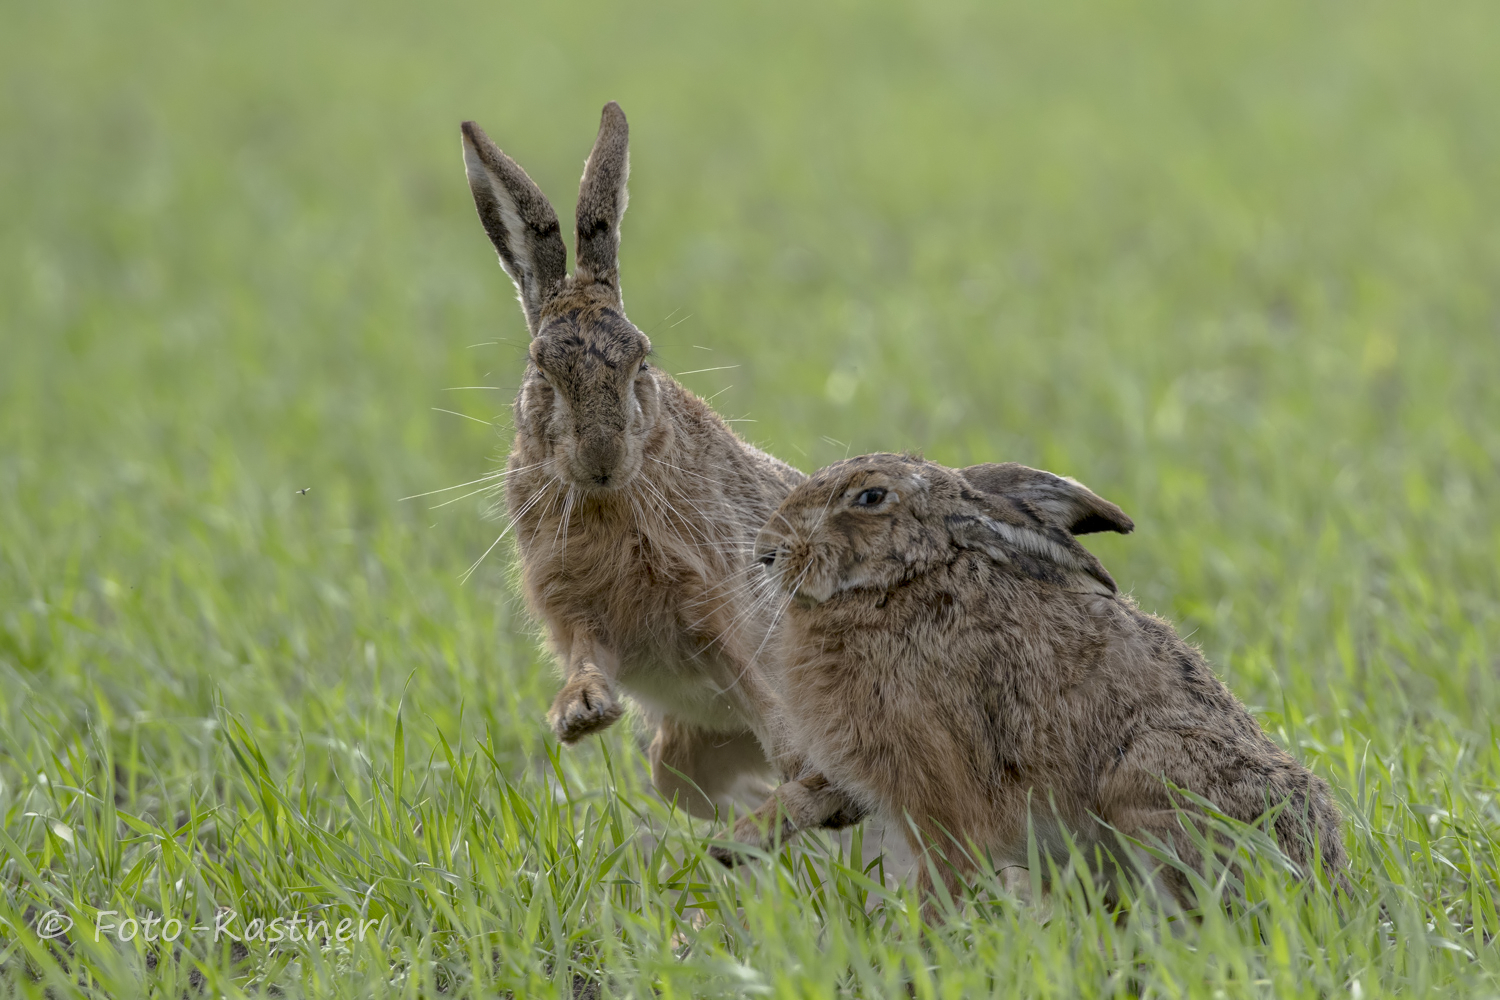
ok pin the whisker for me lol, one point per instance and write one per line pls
(673, 511)
(745, 614)
(482, 479)
(779, 611)
(550, 504)
(486, 423)
(775, 618)
(687, 472)
(685, 521)
(648, 330)
(513, 522)
(700, 371)
(757, 582)
(495, 488)
(567, 516)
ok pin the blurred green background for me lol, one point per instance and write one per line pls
(1236, 267)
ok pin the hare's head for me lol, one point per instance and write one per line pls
(874, 522)
(588, 400)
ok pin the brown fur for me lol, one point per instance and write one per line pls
(634, 506)
(956, 657)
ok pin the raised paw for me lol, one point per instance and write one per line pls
(585, 706)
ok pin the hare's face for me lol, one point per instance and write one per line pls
(859, 524)
(590, 399)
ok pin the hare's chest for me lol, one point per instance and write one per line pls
(600, 572)
(660, 614)
(697, 690)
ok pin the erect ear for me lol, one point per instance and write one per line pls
(1065, 503)
(601, 201)
(519, 220)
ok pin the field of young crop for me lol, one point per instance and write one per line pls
(1236, 267)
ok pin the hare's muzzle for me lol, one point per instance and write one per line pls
(772, 554)
(598, 462)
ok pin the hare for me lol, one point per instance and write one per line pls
(953, 657)
(634, 506)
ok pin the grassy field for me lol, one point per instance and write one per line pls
(1237, 267)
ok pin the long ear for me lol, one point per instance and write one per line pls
(601, 201)
(1066, 503)
(1048, 553)
(519, 220)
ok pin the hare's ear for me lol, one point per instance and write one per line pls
(601, 201)
(1066, 503)
(1048, 554)
(519, 220)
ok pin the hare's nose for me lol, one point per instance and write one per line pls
(766, 558)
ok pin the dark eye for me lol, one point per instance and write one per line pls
(870, 497)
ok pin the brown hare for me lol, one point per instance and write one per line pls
(634, 506)
(953, 657)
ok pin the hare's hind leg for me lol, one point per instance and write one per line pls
(707, 772)
(1137, 856)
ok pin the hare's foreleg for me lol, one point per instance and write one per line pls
(587, 702)
(807, 803)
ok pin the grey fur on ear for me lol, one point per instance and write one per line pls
(601, 201)
(519, 221)
(1066, 503)
(1059, 560)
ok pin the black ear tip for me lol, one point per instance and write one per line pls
(1093, 523)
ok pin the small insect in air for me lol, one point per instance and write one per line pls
(304, 491)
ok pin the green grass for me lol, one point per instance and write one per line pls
(1234, 266)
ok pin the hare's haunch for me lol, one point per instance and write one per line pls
(952, 655)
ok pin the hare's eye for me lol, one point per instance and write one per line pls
(870, 498)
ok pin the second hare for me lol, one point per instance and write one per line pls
(957, 660)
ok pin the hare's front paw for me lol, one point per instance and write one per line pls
(586, 705)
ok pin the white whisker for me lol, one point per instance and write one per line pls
(513, 522)
(700, 371)
(777, 616)
(482, 479)
(483, 489)
(486, 423)
(567, 517)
